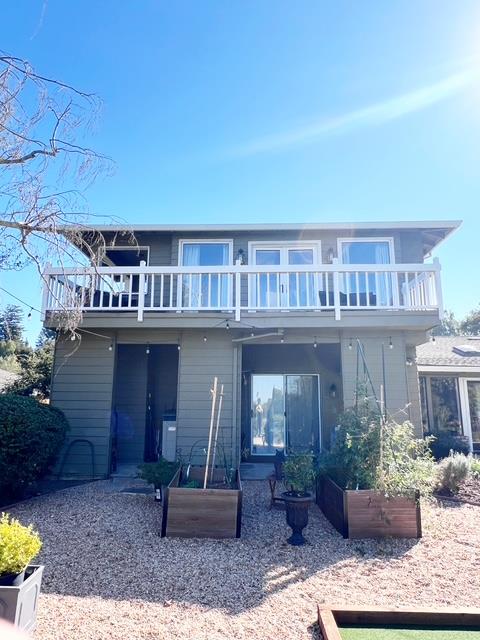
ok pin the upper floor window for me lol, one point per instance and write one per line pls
(205, 254)
(125, 256)
(366, 251)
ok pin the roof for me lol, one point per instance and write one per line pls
(433, 231)
(457, 351)
(6, 378)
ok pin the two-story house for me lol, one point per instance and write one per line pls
(278, 312)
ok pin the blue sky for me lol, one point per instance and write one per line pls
(252, 111)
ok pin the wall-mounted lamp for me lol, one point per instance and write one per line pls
(110, 347)
(241, 256)
(282, 339)
(330, 255)
(227, 326)
(390, 343)
(350, 345)
(147, 350)
(204, 338)
(409, 362)
(333, 390)
(178, 347)
(315, 343)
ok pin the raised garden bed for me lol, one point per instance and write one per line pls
(368, 514)
(215, 512)
(370, 623)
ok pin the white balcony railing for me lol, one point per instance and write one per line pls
(240, 288)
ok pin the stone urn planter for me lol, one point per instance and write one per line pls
(19, 599)
(296, 507)
(299, 476)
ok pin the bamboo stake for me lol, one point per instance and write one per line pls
(212, 418)
(219, 412)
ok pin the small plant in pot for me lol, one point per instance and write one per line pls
(18, 546)
(19, 580)
(299, 476)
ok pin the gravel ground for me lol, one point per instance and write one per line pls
(110, 576)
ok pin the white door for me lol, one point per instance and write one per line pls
(284, 290)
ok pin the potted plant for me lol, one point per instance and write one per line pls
(299, 476)
(19, 580)
(159, 474)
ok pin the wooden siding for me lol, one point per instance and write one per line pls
(82, 386)
(199, 363)
(401, 385)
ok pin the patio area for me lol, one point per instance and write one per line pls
(109, 575)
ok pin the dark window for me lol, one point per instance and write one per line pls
(445, 405)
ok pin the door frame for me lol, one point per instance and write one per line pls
(282, 246)
(259, 456)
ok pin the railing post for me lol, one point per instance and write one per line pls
(141, 291)
(45, 291)
(238, 262)
(438, 287)
(336, 289)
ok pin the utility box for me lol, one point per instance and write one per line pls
(169, 437)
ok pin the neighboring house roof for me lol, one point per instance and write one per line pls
(6, 378)
(451, 353)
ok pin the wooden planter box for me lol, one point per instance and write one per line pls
(202, 513)
(368, 514)
(332, 619)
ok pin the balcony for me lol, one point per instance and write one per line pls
(240, 289)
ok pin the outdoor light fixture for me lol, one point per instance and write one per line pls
(315, 345)
(227, 326)
(72, 337)
(178, 347)
(204, 338)
(110, 347)
(350, 345)
(252, 334)
(147, 350)
(333, 390)
(241, 256)
(390, 343)
(282, 339)
(409, 362)
(330, 254)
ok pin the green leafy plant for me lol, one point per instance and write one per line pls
(19, 544)
(158, 473)
(191, 484)
(373, 452)
(452, 471)
(299, 473)
(475, 468)
(31, 436)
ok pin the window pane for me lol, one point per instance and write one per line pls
(205, 254)
(446, 415)
(474, 406)
(267, 256)
(300, 256)
(424, 404)
(366, 252)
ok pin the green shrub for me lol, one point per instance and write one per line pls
(452, 471)
(31, 436)
(18, 545)
(369, 452)
(158, 473)
(443, 443)
(299, 472)
(475, 468)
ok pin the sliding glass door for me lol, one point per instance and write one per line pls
(367, 289)
(285, 413)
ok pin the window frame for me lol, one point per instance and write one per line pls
(184, 241)
(371, 239)
(102, 255)
(316, 245)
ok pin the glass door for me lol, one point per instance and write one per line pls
(285, 413)
(267, 414)
(284, 291)
(473, 388)
(367, 289)
(210, 291)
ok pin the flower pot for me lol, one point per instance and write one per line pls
(297, 515)
(12, 579)
(18, 603)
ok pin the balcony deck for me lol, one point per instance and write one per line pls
(241, 290)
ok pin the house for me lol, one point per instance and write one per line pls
(449, 375)
(279, 312)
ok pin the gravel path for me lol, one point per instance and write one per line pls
(110, 576)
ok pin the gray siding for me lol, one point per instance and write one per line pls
(401, 384)
(82, 386)
(199, 363)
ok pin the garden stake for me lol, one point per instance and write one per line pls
(212, 417)
(219, 412)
